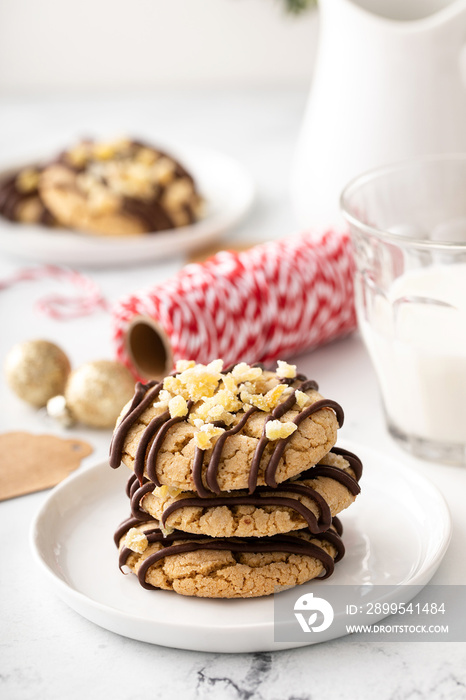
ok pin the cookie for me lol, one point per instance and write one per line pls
(310, 501)
(20, 200)
(209, 430)
(195, 565)
(123, 188)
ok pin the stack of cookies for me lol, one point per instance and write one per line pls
(236, 481)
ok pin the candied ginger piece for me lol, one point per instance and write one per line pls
(215, 413)
(79, 154)
(163, 398)
(275, 429)
(27, 180)
(166, 530)
(215, 366)
(177, 407)
(302, 399)
(216, 407)
(104, 151)
(166, 491)
(265, 402)
(136, 540)
(175, 387)
(199, 381)
(203, 438)
(229, 383)
(197, 422)
(183, 365)
(285, 371)
(245, 373)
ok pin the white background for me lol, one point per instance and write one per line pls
(204, 71)
(56, 45)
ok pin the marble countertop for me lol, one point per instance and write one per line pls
(48, 650)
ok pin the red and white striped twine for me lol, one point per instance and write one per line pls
(272, 301)
(58, 306)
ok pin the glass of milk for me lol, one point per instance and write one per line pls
(408, 226)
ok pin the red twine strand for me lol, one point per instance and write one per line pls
(58, 306)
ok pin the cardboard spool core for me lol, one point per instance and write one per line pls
(149, 349)
(146, 343)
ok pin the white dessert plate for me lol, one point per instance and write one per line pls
(224, 183)
(396, 533)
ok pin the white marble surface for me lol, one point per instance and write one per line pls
(48, 651)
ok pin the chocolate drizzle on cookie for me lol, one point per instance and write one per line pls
(12, 199)
(150, 212)
(214, 461)
(354, 461)
(160, 434)
(288, 544)
(144, 395)
(264, 496)
(278, 412)
(146, 455)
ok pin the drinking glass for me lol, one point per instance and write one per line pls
(408, 228)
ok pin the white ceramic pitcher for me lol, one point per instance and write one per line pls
(389, 84)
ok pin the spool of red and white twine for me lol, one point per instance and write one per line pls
(272, 301)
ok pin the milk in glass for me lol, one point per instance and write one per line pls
(416, 336)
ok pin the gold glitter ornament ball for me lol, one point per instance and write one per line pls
(36, 370)
(96, 392)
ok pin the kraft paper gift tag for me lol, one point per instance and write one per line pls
(31, 462)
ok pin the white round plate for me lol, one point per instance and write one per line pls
(224, 183)
(396, 533)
